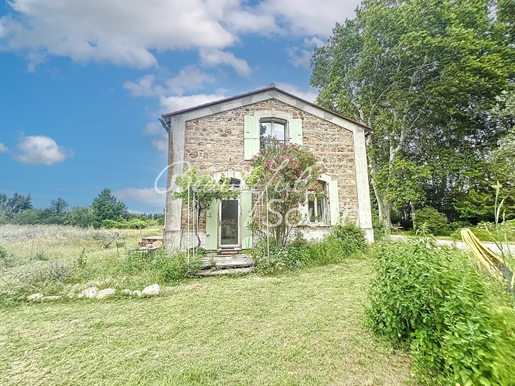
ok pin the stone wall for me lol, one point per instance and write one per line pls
(215, 144)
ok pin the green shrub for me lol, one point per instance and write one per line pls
(160, 267)
(352, 238)
(430, 300)
(435, 221)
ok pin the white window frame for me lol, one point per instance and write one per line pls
(272, 121)
(325, 205)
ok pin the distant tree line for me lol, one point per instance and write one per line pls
(105, 211)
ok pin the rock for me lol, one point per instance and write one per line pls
(151, 290)
(102, 294)
(50, 298)
(89, 293)
(34, 297)
(70, 295)
(126, 291)
(136, 293)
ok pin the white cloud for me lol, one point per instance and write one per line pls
(309, 96)
(147, 196)
(153, 128)
(301, 57)
(40, 149)
(144, 87)
(215, 57)
(161, 145)
(3, 148)
(115, 31)
(189, 79)
(174, 103)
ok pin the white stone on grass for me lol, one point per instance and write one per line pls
(35, 297)
(126, 291)
(89, 293)
(136, 293)
(151, 290)
(102, 294)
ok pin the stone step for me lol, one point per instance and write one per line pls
(227, 262)
(229, 271)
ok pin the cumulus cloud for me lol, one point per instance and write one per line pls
(3, 148)
(301, 56)
(148, 196)
(144, 87)
(309, 96)
(160, 141)
(174, 103)
(111, 31)
(40, 149)
(217, 57)
(189, 79)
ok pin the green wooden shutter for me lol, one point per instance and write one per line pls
(334, 202)
(212, 226)
(295, 131)
(246, 212)
(251, 137)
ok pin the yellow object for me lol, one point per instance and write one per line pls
(485, 258)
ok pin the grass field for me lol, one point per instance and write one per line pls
(303, 328)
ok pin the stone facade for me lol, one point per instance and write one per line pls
(212, 138)
(215, 144)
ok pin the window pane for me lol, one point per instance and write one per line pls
(266, 129)
(279, 131)
(311, 208)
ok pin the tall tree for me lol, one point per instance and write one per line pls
(107, 207)
(18, 203)
(423, 74)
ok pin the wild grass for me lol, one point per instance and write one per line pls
(57, 260)
(302, 328)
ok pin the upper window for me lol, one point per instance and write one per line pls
(272, 128)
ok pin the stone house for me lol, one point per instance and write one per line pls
(222, 137)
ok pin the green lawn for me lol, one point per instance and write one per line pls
(306, 328)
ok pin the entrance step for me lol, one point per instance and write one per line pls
(230, 271)
(229, 251)
(223, 262)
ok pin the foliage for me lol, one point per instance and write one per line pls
(424, 75)
(107, 207)
(430, 299)
(286, 176)
(200, 190)
(80, 216)
(162, 268)
(344, 241)
(434, 221)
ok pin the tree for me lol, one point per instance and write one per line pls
(107, 207)
(200, 190)
(286, 176)
(424, 75)
(81, 216)
(18, 203)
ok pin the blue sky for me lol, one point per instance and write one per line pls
(82, 83)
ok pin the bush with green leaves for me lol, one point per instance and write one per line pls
(160, 267)
(352, 238)
(433, 220)
(457, 324)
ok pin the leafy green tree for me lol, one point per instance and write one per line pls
(200, 190)
(18, 203)
(424, 75)
(286, 176)
(107, 207)
(81, 216)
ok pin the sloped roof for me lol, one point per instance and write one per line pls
(266, 89)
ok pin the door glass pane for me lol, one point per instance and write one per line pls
(229, 224)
